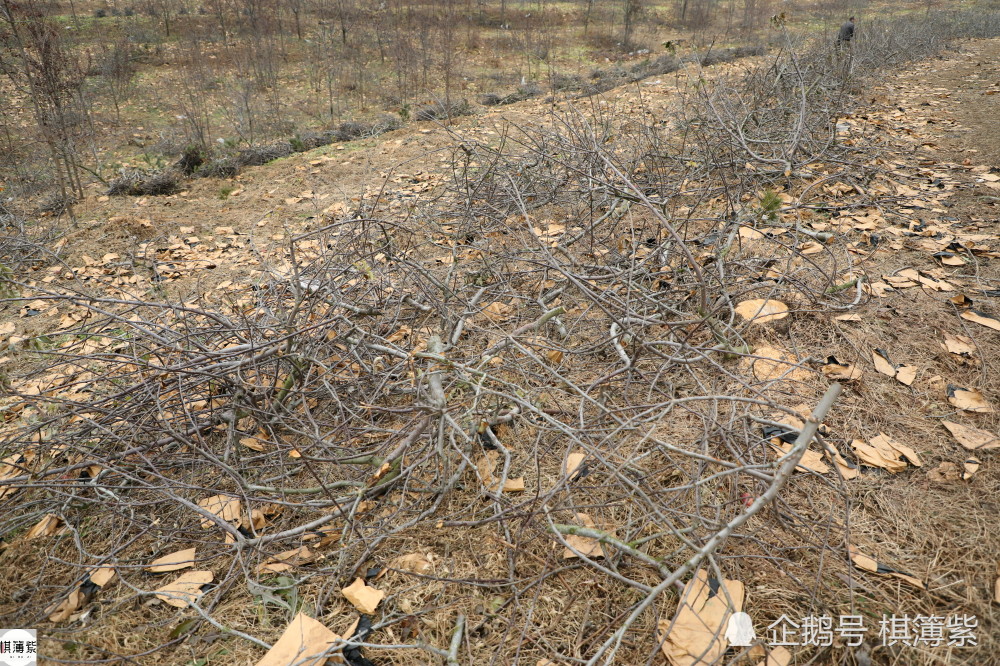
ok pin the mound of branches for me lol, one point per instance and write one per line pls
(442, 110)
(262, 154)
(140, 182)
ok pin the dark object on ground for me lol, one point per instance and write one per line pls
(191, 159)
(846, 33)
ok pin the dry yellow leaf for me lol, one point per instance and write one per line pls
(971, 466)
(778, 656)
(696, 636)
(971, 400)
(186, 589)
(885, 443)
(883, 364)
(252, 443)
(811, 460)
(305, 642)
(225, 507)
(946, 471)
(62, 611)
(413, 562)
(102, 576)
(842, 371)
(573, 463)
(47, 526)
(555, 356)
(182, 559)
(364, 597)
(874, 457)
(761, 311)
(514, 485)
(498, 311)
(867, 563)
(583, 545)
(905, 374)
(971, 438)
(959, 344)
(982, 318)
(286, 560)
(849, 317)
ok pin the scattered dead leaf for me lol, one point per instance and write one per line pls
(286, 560)
(584, 545)
(960, 345)
(697, 633)
(971, 400)
(777, 364)
(834, 369)
(186, 589)
(573, 463)
(45, 527)
(364, 597)
(182, 559)
(761, 311)
(971, 466)
(943, 473)
(866, 563)
(305, 642)
(413, 562)
(971, 438)
(982, 318)
(225, 507)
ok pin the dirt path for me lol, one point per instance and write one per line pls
(958, 98)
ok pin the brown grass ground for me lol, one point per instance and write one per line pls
(945, 534)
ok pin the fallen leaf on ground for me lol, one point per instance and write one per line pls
(971, 467)
(305, 642)
(583, 545)
(904, 374)
(696, 635)
(574, 461)
(186, 589)
(286, 560)
(102, 576)
(884, 442)
(182, 559)
(811, 461)
(63, 610)
(866, 563)
(971, 438)
(982, 318)
(960, 345)
(971, 400)
(413, 562)
(514, 485)
(946, 471)
(364, 597)
(47, 526)
(225, 507)
(778, 656)
(760, 310)
(834, 369)
(886, 458)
